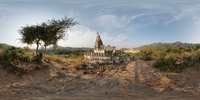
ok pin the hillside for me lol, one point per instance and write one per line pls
(161, 45)
(4, 45)
(72, 48)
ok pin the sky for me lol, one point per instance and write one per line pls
(120, 23)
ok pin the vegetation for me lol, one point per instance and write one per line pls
(178, 62)
(2, 46)
(11, 58)
(171, 57)
(49, 32)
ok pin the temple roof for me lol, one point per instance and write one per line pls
(98, 42)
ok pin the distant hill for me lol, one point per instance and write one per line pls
(5, 45)
(61, 49)
(155, 46)
(166, 45)
(180, 44)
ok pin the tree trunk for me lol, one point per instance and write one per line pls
(37, 48)
(45, 49)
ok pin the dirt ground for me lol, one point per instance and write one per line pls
(137, 80)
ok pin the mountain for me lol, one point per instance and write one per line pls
(180, 44)
(155, 46)
(166, 45)
(4, 45)
(72, 48)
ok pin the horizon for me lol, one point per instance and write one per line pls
(124, 24)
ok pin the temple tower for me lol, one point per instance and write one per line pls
(99, 47)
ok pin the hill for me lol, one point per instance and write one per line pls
(73, 48)
(161, 45)
(2, 45)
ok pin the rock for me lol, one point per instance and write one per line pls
(101, 69)
(89, 66)
(81, 67)
(168, 89)
(198, 85)
(98, 73)
(107, 70)
(198, 68)
(119, 71)
(90, 71)
(184, 78)
(84, 72)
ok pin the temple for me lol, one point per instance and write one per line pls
(102, 53)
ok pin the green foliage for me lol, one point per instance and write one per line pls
(49, 32)
(26, 49)
(169, 64)
(119, 52)
(38, 57)
(148, 55)
(13, 54)
(2, 46)
(55, 48)
(11, 57)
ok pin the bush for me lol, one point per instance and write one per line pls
(26, 49)
(2, 46)
(13, 54)
(38, 57)
(169, 64)
(11, 58)
(148, 55)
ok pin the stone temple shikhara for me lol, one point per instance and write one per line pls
(104, 54)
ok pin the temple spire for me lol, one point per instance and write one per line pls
(98, 42)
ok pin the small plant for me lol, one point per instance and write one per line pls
(38, 57)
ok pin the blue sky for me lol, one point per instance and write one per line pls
(121, 23)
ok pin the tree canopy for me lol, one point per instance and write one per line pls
(50, 32)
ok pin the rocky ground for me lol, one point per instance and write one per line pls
(138, 79)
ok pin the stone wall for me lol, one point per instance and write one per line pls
(96, 56)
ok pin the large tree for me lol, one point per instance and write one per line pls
(49, 32)
(55, 30)
(31, 34)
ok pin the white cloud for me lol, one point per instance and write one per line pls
(112, 22)
(181, 13)
(82, 36)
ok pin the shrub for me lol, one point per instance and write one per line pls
(13, 54)
(169, 64)
(148, 55)
(2, 46)
(11, 58)
(26, 49)
(38, 57)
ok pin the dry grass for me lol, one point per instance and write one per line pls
(69, 61)
(161, 81)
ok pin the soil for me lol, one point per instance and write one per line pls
(136, 80)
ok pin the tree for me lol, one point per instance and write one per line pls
(55, 30)
(31, 34)
(49, 32)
